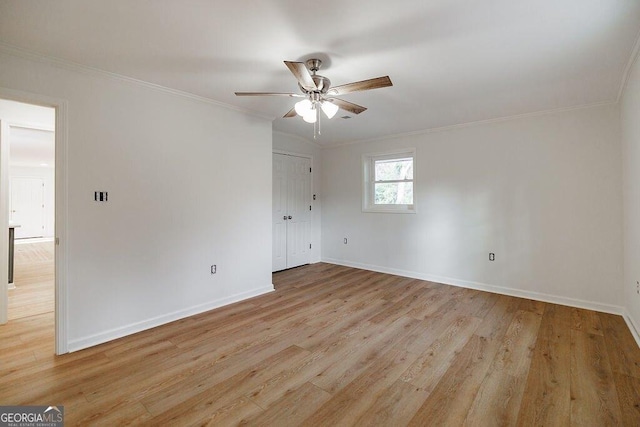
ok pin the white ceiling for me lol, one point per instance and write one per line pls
(451, 61)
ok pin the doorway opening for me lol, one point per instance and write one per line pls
(28, 193)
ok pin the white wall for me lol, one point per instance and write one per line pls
(292, 144)
(189, 185)
(543, 193)
(47, 174)
(630, 120)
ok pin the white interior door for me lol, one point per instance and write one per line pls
(279, 202)
(291, 211)
(299, 211)
(27, 206)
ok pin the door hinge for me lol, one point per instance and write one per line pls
(309, 245)
(309, 207)
(309, 172)
(57, 240)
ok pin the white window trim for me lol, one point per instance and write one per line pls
(368, 180)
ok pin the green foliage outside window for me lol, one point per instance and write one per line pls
(391, 185)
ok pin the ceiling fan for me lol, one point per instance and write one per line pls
(318, 93)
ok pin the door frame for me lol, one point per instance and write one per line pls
(313, 202)
(61, 208)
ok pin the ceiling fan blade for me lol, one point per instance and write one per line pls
(300, 71)
(291, 113)
(376, 83)
(293, 95)
(348, 106)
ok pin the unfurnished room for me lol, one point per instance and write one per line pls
(283, 213)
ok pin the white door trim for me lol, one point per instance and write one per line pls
(4, 222)
(61, 208)
(290, 153)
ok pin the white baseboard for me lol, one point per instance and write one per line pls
(554, 299)
(633, 326)
(90, 341)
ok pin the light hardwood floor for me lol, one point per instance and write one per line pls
(34, 279)
(341, 346)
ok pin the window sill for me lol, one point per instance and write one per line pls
(393, 210)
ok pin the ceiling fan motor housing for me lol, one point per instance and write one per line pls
(313, 64)
(322, 83)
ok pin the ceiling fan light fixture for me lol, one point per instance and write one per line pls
(310, 117)
(304, 107)
(329, 108)
(319, 95)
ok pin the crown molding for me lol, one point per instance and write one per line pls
(475, 123)
(22, 53)
(633, 58)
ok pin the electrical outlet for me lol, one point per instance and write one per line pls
(492, 256)
(345, 240)
(214, 269)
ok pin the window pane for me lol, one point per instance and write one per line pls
(396, 193)
(395, 169)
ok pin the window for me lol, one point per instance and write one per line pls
(389, 182)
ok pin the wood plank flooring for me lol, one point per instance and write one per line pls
(337, 346)
(34, 279)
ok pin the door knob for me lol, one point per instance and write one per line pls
(289, 217)
(284, 217)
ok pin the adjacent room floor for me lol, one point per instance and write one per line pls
(34, 279)
(341, 346)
